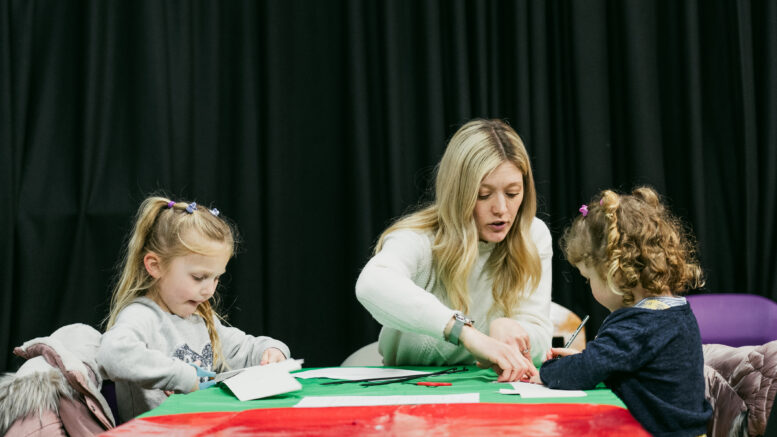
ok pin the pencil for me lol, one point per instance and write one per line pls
(574, 334)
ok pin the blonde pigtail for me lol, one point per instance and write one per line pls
(134, 280)
(616, 273)
(205, 310)
(650, 197)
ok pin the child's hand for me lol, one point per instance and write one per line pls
(202, 373)
(206, 384)
(535, 379)
(560, 352)
(272, 355)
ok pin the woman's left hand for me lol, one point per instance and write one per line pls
(272, 355)
(511, 332)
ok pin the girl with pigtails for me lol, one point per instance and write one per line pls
(163, 334)
(637, 259)
(467, 278)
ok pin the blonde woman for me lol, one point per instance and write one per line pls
(467, 278)
(163, 335)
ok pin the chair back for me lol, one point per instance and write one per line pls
(565, 322)
(735, 319)
(367, 355)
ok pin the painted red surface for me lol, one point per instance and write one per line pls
(534, 420)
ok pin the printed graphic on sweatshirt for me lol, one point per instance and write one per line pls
(187, 355)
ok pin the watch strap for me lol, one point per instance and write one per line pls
(458, 324)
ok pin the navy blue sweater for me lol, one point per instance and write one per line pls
(652, 359)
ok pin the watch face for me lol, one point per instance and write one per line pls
(463, 319)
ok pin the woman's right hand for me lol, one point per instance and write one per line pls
(506, 361)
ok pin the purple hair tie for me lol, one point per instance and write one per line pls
(584, 210)
(170, 204)
(191, 207)
(215, 212)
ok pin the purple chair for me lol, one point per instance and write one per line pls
(735, 319)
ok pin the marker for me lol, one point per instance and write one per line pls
(574, 334)
(433, 384)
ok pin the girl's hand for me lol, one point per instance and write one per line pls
(202, 373)
(560, 352)
(272, 355)
(506, 361)
(512, 333)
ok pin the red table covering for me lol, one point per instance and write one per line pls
(406, 420)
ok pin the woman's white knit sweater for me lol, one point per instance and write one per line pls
(398, 287)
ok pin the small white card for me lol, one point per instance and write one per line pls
(529, 390)
(262, 381)
(358, 401)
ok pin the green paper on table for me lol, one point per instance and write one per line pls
(475, 380)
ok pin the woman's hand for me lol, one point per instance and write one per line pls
(272, 355)
(506, 361)
(512, 333)
(536, 379)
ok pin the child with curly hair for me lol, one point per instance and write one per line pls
(638, 259)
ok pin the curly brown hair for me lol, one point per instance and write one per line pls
(632, 240)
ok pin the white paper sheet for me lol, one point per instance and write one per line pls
(354, 373)
(357, 401)
(287, 365)
(263, 381)
(529, 390)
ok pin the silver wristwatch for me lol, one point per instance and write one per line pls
(459, 320)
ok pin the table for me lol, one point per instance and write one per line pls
(216, 411)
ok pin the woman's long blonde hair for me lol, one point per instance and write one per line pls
(473, 152)
(169, 230)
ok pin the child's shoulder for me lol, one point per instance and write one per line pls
(647, 321)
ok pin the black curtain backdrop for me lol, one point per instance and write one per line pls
(313, 124)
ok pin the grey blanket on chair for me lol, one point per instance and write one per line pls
(741, 387)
